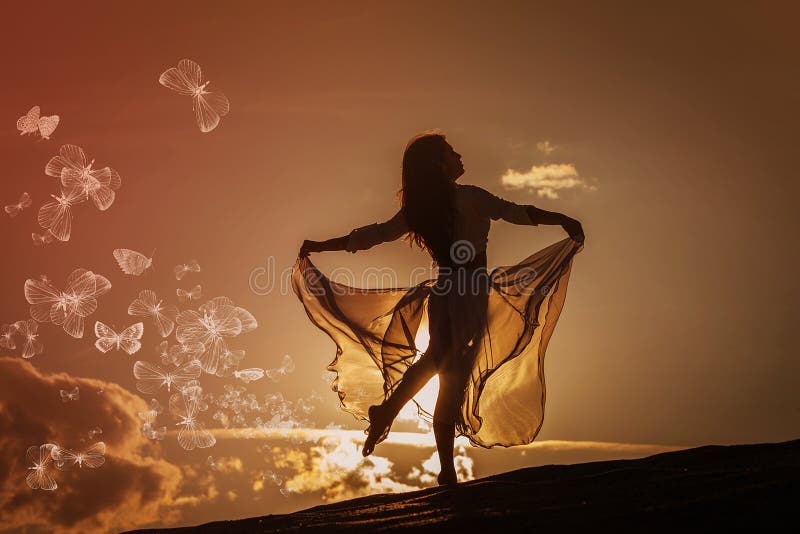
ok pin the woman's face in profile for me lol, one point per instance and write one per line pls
(452, 163)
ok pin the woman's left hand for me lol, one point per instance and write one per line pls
(308, 247)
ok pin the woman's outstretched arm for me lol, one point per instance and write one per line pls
(336, 243)
(571, 226)
(360, 238)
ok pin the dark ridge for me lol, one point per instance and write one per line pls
(705, 489)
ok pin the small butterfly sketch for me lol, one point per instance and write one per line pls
(187, 79)
(32, 123)
(40, 458)
(147, 304)
(249, 375)
(132, 262)
(194, 294)
(181, 270)
(127, 340)
(14, 209)
(56, 215)
(71, 395)
(93, 457)
(42, 239)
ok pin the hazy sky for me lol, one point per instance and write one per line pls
(679, 123)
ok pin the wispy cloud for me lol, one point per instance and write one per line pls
(547, 180)
(546, 147)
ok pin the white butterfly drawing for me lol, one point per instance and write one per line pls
(28, 329)
(187, 79)
(229, 359)
(92, 457)
(249, 375)
(132, 262)
(147, 304)
(42, 239)
(151, 377)
(14, 209)
(127, 340)
(181, 270)
(150, 415)
(67, 308)
(40, 458)
(75, 171)
(7, 332)
(71, 395)
(185, 406)
(32, 123)
(185, 351)
(153, 433)
(94, 432)
(56, 215)
(194, 294)
(287, 366)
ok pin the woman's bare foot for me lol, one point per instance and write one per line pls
(447, 477)
(379, 424)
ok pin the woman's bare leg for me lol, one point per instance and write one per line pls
(445, 434)
(382, 416)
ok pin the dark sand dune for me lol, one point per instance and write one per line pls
(707, 489)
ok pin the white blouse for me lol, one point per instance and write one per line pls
(475, 207)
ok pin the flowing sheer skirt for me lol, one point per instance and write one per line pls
(499, 323)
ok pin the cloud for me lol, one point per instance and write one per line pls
(430, 468)
(545, 147)
(130, 489)
(336, 468)
(546, 180)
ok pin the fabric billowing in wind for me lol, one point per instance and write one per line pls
(374, 331)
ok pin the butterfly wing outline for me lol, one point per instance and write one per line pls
(131, 262)
(31, 345)
(129, 339)
(70, 157)
(151, 377)
(187, 79)
(95, 184)
(29, 123)
(40, 458)
(56, 215)
(107, 338)
(48, 125)
(80, 302)
(192, 434)
(208, 108)
(93, 457)
(147, 304)
(42, 297)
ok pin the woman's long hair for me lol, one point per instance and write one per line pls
(428, 195)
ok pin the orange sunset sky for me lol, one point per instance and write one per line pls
(669, 132)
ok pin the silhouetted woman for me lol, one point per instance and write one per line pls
(488, 331)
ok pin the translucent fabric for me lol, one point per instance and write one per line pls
(503, 328)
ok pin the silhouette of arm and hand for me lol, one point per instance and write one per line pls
(489, 205)
(360, 238)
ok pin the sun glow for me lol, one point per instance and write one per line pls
(428, 394)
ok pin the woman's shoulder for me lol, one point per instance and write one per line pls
(474, 194)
